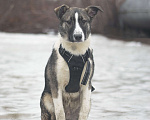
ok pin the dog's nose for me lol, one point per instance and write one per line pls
(78, 37)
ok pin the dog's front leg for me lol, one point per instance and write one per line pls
(58, 105)
(86, 103)
(86, 94)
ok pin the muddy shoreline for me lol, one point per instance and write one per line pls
(141, 40)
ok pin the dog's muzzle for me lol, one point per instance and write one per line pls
(78, 37)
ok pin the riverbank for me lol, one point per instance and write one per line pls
(128, 36)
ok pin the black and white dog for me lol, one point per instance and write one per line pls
(70, 68)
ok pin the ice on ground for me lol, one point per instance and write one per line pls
(121, 77)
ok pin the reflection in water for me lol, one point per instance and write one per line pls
(121, 79)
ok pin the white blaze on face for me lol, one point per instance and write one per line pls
(78, 29)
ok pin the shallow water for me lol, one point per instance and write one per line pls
(121, 79)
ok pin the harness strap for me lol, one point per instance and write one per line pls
(87, 73)
(76, 65)
(68, 56)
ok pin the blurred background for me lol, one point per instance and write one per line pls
(123, 19)
(120, 41)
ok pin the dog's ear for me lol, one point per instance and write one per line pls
(60, 11)
(92, 10)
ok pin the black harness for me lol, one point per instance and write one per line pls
(76, 65)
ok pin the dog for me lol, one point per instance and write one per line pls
(70, 68)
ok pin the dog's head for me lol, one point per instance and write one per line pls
(75, 23)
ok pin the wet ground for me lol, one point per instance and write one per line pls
(121, 79)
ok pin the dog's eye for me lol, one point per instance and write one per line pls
(69, 21)
(84, 21)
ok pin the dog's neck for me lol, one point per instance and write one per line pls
(75, 48)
